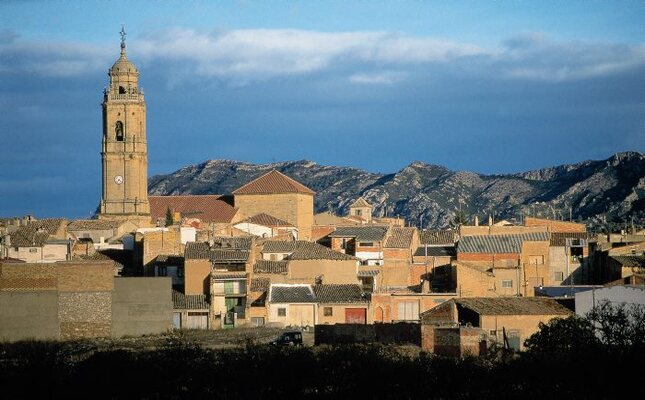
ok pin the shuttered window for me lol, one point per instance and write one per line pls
(409, 311)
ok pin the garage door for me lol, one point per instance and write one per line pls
(197, 320)
(355, 316)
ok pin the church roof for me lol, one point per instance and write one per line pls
(208, 208)
(361, 202)
(273, 182)
(123, 65)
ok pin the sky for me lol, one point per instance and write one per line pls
(485, 86)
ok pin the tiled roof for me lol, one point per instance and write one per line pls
(260, 284)
(332, 293)
(291, 294)
(229, 255)
(169, 259)
(560, 238)
(513, 306)
(182, 301)
(267, 220)
(435, 251)
(319, 232)
(367, 273)
(448, 237)
(271, 267)
(121, 258)
(208, 208)
(314, 251)
(279, 246)
(498, 243)
(360, 202)
(273, 182)
(93, 225)
(197, 251)
(228, 275)
(28, 236)
(361, 233)
(630, 261)
(238, 242)
(400, 237)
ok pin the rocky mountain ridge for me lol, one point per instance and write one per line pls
(598, 192)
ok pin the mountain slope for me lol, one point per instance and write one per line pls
(595, 191)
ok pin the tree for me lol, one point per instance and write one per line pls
(619, 326)
(563, 335)
(460, 219)
(169, 217)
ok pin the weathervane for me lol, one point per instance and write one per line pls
(123, 35)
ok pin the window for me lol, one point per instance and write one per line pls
(328, 311)
(33, 250)
(366, 244)
(409, 311)
(119, 131)
(358, 213)
(282, 312)
(558, 276)
(493, 333)
(162, 271)
(257, 321)
(121, 90)
(507, 283)
(343, 244)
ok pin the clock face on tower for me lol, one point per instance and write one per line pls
(118, 179)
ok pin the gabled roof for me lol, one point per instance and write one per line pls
(203, 251)
(291, 294)
(267, 220)
(208, 208)
(498, 243)
(279, 246)
(447, 237)
(273, 182)
(560, 238)
(435, 251)
(361, 233)
(182, 301)
(314, 251)
(93, 225)
(271, 267)
(335, 293)
(513, 306)
(360, 202)
(400, 237)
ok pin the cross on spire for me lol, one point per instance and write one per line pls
(123, 35)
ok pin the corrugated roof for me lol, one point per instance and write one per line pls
(273, 182)
(400, 237)
(633, 261)
(560, 238)
(93, 224)
(513, 306)
(361, 233)
(446, 237)
(498, 243)
(208, 208)
(182, 301)
(267, 220)
(291, 294)
(271, 267)
(334, 293)
(360, 202)
(435, 251)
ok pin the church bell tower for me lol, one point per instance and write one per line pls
(124, 152)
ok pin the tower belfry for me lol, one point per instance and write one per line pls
(124, 152)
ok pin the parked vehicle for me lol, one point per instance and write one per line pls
(289, 338)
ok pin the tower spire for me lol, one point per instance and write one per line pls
(123, 35)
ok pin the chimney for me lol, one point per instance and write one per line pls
(490, 220)
(476, 221)
(425, 286)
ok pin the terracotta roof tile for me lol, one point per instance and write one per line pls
(319, 232)
(260, 284)
(93, 224)
(267, 220)
(513, 306)
(361, 233)
(182, 301)
(271, 267)
(634, 261)
(360, 202)
(435, 251)
(273, 182)
(334, 293)
(448, 237)
(208, 208)
(400, 237)
(291, 294)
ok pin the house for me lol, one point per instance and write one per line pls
(342, 304)
(100, 231)
(361, 210)
(508, 320)
(364, 242)
(398, 250)
(292, 305)
(190, 311)
(280, 196)
(266, 226)
(44, 240)
(568, 258)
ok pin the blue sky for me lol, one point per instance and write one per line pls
(487, 86)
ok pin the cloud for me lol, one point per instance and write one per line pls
(378, 78)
